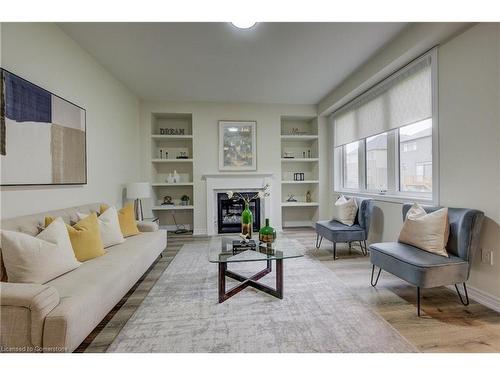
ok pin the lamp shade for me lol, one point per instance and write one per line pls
(138, 190)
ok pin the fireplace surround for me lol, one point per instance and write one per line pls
(241, 182)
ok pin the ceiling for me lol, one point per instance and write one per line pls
(293, 63)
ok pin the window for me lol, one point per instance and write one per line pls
(376, 162)
(410, 146)
(383, 139)
(416, 176)
(351, 165)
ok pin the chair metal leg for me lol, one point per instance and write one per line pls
(378, 275)
(320, 238)
(350, 248)
(363, 248)
(334, 250)
(466, 303)
(418, 301)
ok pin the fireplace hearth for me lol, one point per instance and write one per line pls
(229, 212)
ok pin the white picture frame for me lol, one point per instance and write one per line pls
(237, 145)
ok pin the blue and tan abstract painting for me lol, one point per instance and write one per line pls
(42, 136)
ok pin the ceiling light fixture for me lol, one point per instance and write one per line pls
(243, 24)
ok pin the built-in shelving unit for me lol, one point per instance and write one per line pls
(167, 145)
(299, 154)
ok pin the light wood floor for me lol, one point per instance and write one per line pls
(445, 325)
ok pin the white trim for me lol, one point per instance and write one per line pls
(393, 198)
(435, 126)
(481, 297)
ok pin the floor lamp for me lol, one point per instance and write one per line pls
(137, 191)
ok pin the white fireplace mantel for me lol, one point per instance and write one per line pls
(222, 182)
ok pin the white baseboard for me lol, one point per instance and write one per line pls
(200, 232)
(484, 298)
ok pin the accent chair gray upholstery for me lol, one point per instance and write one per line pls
(335, 231)
(427, 270)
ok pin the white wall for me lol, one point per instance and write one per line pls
(469, 144)
(205, 143)
(43, 54)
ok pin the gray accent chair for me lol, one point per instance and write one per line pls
(335, 231)
(427, 270)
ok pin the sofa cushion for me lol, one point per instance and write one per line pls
(417, 266)
(90, 292)
(337, 232)
(85, 237)
(29, 224)
(109, 227)
(345, 210)
(427, 231)
(38, 259)
(126, 217)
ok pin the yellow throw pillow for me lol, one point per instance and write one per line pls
(85, 237)
(126, 217)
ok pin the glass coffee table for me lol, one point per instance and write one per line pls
(221, 251)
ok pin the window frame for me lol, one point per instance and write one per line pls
(394, 193)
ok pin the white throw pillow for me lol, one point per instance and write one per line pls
(428, 232)
(39, 259)
(109, 227)
(345, 210)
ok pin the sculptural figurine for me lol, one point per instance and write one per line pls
(167, 200)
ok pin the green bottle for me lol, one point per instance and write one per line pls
(246, 222)
(267, 234)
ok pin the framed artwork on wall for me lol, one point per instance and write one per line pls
(42, 136)
(237, 146)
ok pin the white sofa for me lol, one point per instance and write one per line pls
(59, 315)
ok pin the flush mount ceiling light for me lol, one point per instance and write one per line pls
(242, 24)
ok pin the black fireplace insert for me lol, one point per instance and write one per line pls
(229, 212)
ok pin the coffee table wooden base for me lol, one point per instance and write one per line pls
(251, 281)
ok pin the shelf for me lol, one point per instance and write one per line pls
(171, 160)
(298, 160)
(299, 138)
(172, 208)
(162, 136)
(285, 182)
(299, 204)
(172, 184)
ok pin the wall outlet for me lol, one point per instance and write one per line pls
(487, 257)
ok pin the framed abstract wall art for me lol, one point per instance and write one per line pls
(42, 136)
(237, 146)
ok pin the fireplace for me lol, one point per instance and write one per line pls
(229, 212)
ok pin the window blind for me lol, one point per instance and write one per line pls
(401, 99)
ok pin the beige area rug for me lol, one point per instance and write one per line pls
(317, 314)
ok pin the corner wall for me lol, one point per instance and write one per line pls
(43, 54)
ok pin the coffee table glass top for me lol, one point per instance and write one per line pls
(221, 250)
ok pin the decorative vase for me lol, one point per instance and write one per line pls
(176, 177)
(247, 222)
(308, 197)
(170, 178)
(267, 234)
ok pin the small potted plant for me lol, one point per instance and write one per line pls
(184, 200)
